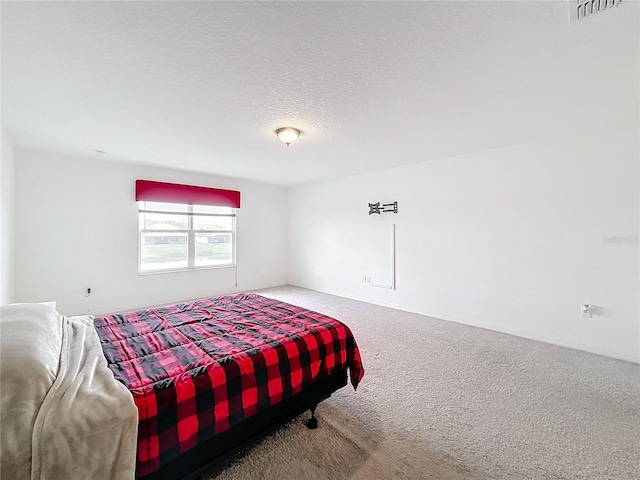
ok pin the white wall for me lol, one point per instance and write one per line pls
(509, 239)
(6, 220)
(77, 227)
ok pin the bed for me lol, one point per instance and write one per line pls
(211, 376)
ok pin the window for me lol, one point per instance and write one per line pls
(176, 236)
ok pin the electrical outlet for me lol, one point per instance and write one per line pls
(368, 279)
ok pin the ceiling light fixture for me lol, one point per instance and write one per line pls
(287, 134)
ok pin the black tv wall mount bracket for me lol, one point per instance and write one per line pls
(385, 208)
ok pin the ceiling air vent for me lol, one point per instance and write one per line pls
(583, 8)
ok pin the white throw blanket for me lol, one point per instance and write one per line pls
(65, 418)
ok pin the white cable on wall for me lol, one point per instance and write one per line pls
(392, 285)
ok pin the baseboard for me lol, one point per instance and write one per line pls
(491, 327)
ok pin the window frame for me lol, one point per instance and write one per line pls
(191, 236)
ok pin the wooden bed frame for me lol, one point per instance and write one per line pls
(214, 454)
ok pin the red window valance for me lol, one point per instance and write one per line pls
(149, 191)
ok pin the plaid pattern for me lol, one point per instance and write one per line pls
(196, 369)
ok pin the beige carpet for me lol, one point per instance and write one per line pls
(446, 401)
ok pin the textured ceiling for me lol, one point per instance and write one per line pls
(203, 85)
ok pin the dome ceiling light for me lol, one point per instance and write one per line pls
(287, 134)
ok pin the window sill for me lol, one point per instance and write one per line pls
(178, 270)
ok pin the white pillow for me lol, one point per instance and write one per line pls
(30, 348)
(30, 340)
(51, 304)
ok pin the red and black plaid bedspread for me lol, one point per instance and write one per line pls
(196, 369)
